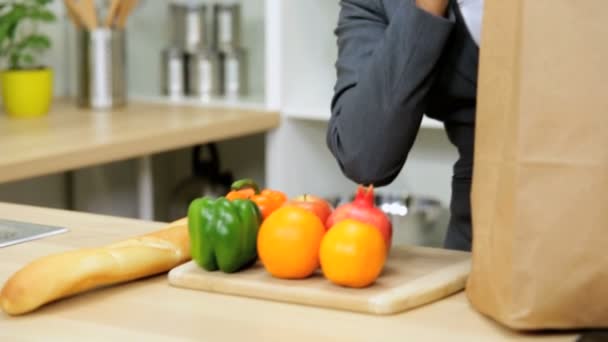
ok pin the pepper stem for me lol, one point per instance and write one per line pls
(245, 184)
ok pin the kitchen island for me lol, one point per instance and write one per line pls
(151, 310)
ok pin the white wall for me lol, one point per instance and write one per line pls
(308, 54)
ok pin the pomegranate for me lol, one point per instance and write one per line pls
(362, 208)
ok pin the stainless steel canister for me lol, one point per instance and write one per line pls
(101, 66)
(205, 73)
(235, 72)
(189, 30)
(173, 72)
(226, 26)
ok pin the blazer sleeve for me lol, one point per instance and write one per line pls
(384, 72)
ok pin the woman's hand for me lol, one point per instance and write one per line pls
(436, 7)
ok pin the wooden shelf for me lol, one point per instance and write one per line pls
(253, 101)
(71, 137)
(324, 115)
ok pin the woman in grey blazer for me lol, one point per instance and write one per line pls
(399, 60)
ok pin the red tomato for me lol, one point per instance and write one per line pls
(315, 204)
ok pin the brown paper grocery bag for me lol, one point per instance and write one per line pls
(540, 182)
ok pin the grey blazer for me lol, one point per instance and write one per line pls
(397, 62)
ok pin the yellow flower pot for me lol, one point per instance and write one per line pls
(27, 93)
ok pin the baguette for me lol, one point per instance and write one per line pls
(57, 276)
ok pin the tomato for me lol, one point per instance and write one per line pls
(314, 204)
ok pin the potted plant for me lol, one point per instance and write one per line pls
(27, 86)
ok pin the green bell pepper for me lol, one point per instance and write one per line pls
(223, 233)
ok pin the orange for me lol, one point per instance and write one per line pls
(289, 241)
(353, 254)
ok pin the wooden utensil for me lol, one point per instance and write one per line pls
(74, 17)
(126, 6)
(88, 7)
(84, 10)
(112, 12)
(412, 276)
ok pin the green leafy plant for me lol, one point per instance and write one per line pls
(21, 43)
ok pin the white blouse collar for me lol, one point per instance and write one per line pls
(472, 11)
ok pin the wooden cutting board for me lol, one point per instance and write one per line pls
(412, 276)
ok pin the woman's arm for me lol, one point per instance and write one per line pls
(384, 70)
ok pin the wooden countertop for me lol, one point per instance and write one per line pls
(71, 137)
(152, 310)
